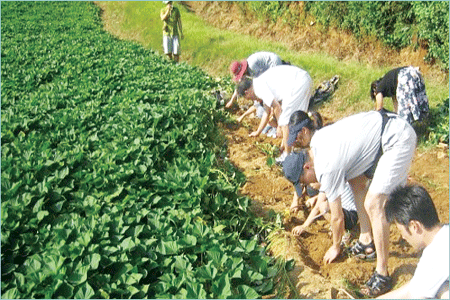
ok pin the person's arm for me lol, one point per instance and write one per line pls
(313, 215)
(401, 293)
(165, 15)
(337, 228)
(249, 111)
(285, 136)
(180, 27)
(311, 201)
(263, 123)
(234, 97)
(276, 107)
(379, 101)
(294, 205)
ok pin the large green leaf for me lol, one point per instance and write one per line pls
(168, 248)
(64, 291)
(222, 287)
(195, 291)
(84, 291)
(246, 292)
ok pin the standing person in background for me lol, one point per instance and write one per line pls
(285, 89)
(253, 66)
(414, 214)
(407, 88)
(172, 30)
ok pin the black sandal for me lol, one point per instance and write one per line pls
(377, 285)
(359, 250)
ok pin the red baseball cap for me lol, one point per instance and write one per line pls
(238, 69)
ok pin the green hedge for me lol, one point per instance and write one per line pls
(397, 24)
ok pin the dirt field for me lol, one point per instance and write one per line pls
(270, 190)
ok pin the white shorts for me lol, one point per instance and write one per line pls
(171, 44)
(393, 166)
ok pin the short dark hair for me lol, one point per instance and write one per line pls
(373, 88)
(243, 85)
(409, 203)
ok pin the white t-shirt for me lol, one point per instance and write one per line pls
(433, 268)
(287, 84)
(347, 148)
(260, 62)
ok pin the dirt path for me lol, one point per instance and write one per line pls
(271, 191)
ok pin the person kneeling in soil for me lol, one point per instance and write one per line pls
(414, 214)
(285, 89)
(344, 152)
(321, 208)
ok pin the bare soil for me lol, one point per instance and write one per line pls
(269, 190)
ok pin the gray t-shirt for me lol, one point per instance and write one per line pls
(347, 148)
(259, 62)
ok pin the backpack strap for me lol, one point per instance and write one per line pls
(384, 119)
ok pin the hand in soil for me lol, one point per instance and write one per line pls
(294, 209)
(331, 254)
(254, 134)
(298, 230)
(295, 206)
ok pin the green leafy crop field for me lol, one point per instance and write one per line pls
(112, 185)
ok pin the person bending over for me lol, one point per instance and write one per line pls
(407, 88)
(285, 89)
(344, 152)
(253, 66)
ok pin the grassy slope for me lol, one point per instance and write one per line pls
(213, 49)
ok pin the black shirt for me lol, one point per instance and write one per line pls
(388, 84)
